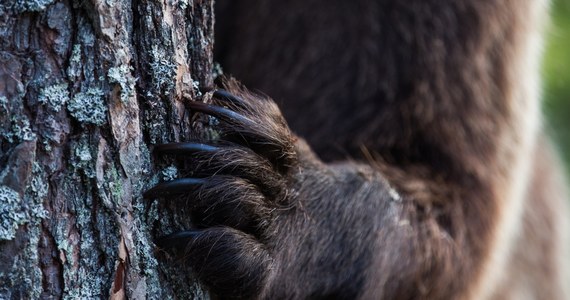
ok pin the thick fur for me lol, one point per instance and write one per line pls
(433, 183)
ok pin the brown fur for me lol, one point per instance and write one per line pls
(433, 106)
(537, 265)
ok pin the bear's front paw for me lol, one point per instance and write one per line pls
(234, 186)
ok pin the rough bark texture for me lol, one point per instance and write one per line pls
(86, 89)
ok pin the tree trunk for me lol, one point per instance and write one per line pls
(86, 89)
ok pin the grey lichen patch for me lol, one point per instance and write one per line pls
(155, 124)
(90, 280)
(74, 69)
(163, 70)
(3, 106)
(148, 214)
(75, 54)
(217, 70)
(147, 166)
(66, 246)
(12, 213)
(55, 96)
(141, 183)
(21, 274)
(89, 107)
(122, 76)
(196, 87)
(82, 62)
(169, 173)
(36, 193)
(148, 264)
(83, 154)
(82, 242)
(114, 188)
(20, 130)
(15, 211)
(183, 4)
(4, 115)
(34, 276)
(30, 5)
(82, 158)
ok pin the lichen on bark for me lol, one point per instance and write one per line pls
(86, 90)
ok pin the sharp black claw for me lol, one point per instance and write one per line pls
(220, 112)
(176, 186)
(225, 95)
(184, 148)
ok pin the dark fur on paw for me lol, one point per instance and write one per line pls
(236, 184)
(272, 221)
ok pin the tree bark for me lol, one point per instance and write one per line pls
(86, 89)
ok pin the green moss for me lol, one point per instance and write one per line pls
(55, 96)
(89, 107)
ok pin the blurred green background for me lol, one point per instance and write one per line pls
(556, 75)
